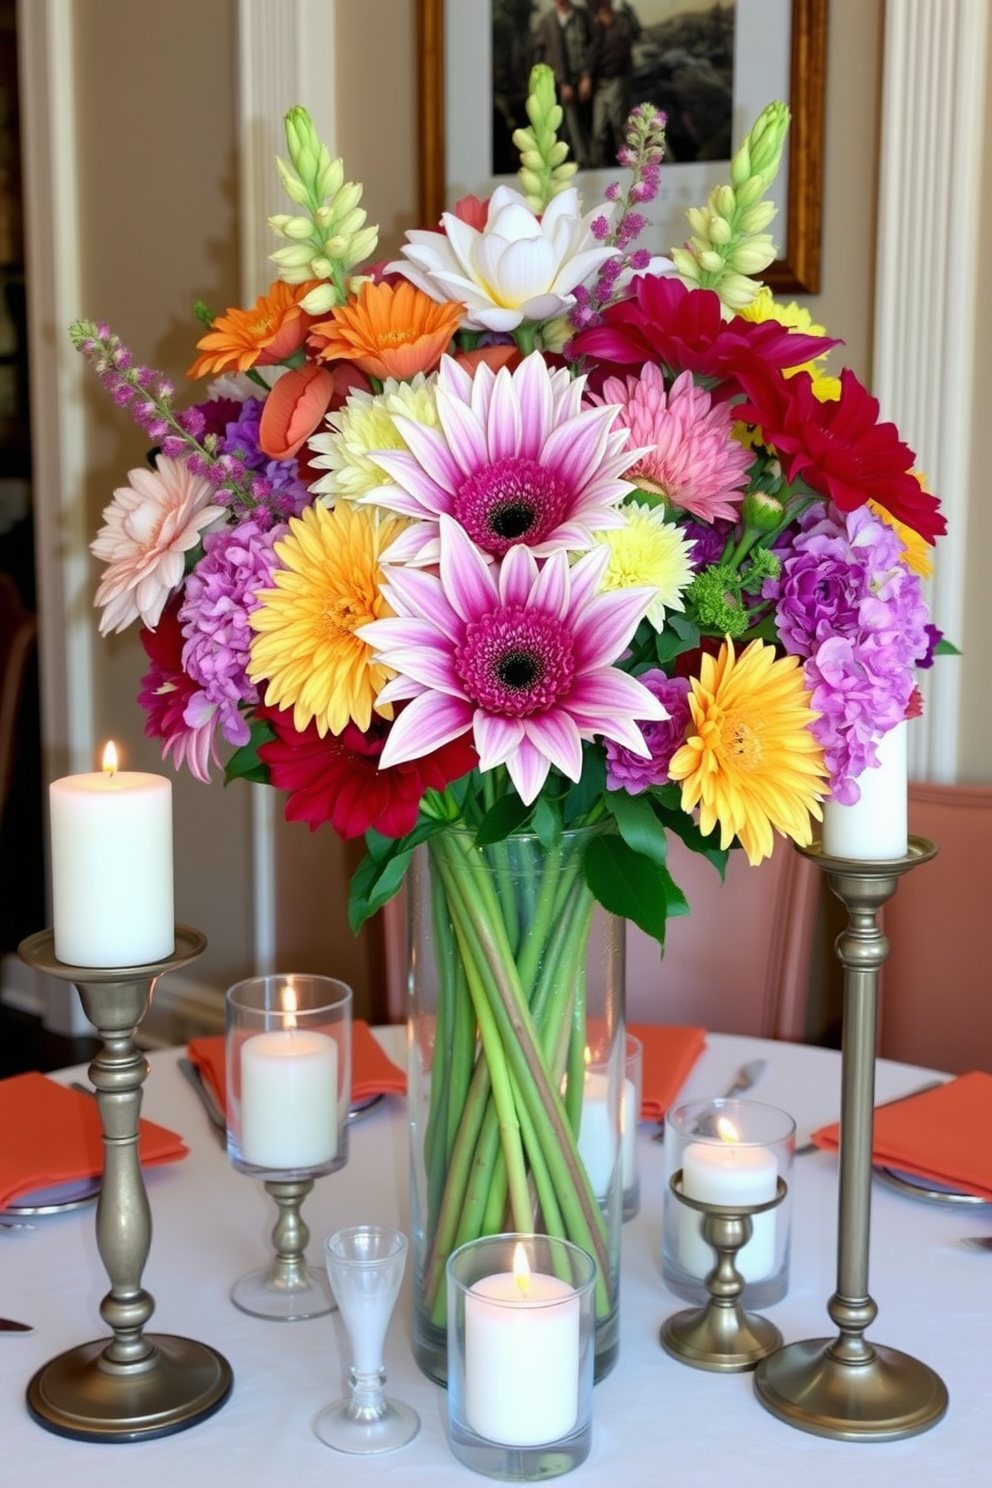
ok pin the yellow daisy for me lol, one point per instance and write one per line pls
(648, 550)
(750, 761)
(764, 306)
(327, 586)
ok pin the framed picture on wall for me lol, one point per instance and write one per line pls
(732, 58)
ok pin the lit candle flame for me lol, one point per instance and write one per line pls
(521, 1269)
(290, 1003)
(110, 759)
(726, 1130)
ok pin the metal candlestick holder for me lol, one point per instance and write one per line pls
(134, 1386)
(847, 1388)
(720, 1335)
(289, 1289)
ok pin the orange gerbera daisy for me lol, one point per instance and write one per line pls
(388, 331)
(270, 332)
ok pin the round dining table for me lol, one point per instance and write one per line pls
(655, 1419)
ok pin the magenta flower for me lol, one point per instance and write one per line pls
(520, 654)
(516, 459)
(165, 694)
(691, 457)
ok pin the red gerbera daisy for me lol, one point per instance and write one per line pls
(337, 778)
(839, 448)
(165, 693)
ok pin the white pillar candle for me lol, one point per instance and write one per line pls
(112, 890)
(728, 1173)
(628, 1136)
(597, 1142)
(289, 1091)
(875, 827)
(521, 1358)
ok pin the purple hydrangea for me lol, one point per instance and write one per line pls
(219, 596)
(846, 602)
(289, 495)
(630, 772)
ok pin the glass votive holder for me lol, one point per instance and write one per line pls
(734, 1152)
(288, 1055)
(630, 1114)
(521, 1341)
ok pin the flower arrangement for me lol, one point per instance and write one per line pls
(524, 537)
(523, 528)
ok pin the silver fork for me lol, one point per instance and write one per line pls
(749, 1074)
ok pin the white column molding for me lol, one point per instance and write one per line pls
(59, 433)
(927, 295)
(285, 57)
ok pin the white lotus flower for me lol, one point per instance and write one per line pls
(519, 267)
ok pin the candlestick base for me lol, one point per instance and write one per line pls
(721, 1336)
(133, 1385)
(289, 1290)
(885, 1396)
(177, 1385)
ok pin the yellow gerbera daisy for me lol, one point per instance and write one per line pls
(648, 550)
(327, 586)
(750, 761)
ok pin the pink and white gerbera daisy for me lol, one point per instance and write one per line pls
(515, 459)
(519, 653)
(148, 529)
(692, 458)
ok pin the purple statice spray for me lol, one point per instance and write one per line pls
(641, 154)
(148, 396)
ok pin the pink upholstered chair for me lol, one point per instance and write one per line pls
(738, 964)
(936, 1003)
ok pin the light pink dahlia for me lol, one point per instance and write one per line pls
(693, 459)
(149, 527)
(519, 653)
(515, 459)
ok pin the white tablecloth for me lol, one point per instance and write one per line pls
(655, 1421)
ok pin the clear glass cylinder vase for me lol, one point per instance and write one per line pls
(517, 1045)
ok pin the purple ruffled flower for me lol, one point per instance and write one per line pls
(847, 603)
(218, 598)
(632, 773)
(288, 495)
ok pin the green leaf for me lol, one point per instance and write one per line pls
(547, 824)
(628, 884)
(244, 763)
(678, 636)
(944, 647)
(638, 824)
(507, 815)
(588, 789)
(707, 847)
(381, 872)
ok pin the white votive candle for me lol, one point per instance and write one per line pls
(875, 827)
(112, 889)
(597, 1142)
(728, 1173)
(289, 1082)
(628, 1136)
(521, 1358)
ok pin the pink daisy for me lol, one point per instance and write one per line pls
(516, 459)
(149, 527)
(693, 459)
(520, 654)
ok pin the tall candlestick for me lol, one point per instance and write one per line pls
(521, 1356)
(874, 829)
(112, 889)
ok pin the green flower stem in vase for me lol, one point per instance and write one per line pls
(516, 979)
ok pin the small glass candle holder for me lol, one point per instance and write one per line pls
(731, 1152)
(630, 1114)
(521, 1341)
(288, 1054)
(600, 1139)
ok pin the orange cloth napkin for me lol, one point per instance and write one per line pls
(372, 1072)
(940, 1134)
(51, 1135)
(670, 1051)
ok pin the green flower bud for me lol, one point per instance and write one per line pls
(753, 255)
(767, 140)
(297, 256)
(710, 262)
(321, 300)
(740, 166)
(761, 511)
(757, 218)
(721, 232)
(723, 200)
(737, 292)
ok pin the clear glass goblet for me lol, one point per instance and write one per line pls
(365, 1267)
